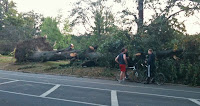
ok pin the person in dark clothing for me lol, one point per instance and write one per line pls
(122, 61)
(151, 65)
(71, 47)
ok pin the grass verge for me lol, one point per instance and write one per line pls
(56, 68)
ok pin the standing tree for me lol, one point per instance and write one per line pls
(140, 14)
(50, 28)
(66, 29)
(95, 16)
(16, 26)
(160, 8)
(99, 23)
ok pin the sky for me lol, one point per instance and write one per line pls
(54, 7)
(45, 7)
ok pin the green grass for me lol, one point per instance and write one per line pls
(56, 68)
(7, 59)
(27, 67)
(56, 63)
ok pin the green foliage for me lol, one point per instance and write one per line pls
(181, 71)
(15, 27)
(6, 48)
(50, 28)
(104, 23)
(159, 35)
(191, 44)
(85, 11)
(99, 24)
(169, 68)
(163, 32)
(67, 28)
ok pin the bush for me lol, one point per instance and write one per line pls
(180, 71)
(6, 47)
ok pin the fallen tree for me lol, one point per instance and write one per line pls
(168, 53)
(42, 56)
(38, 50)
(26, 48)
(159, 55)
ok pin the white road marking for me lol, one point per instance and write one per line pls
(195, 101)
(59, 84)
(50, 91)
(150, 94)
(132, 86)
(114, 100)
(65, 100)
(8, 82)
(139, 93)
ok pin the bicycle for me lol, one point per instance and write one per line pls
(159, 77)
(133, 74)
(141, 75)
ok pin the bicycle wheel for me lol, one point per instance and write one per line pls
(131, 75)
(117, 76)
(160, 79)
(137, 76)
(143, 76)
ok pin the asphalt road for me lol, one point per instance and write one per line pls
(25, 89)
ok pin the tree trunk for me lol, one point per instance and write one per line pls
(141, 15)
(168, 53)
(38, 50)
(42, 56)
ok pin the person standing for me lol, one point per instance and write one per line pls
(122, 61)
(151, 65)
